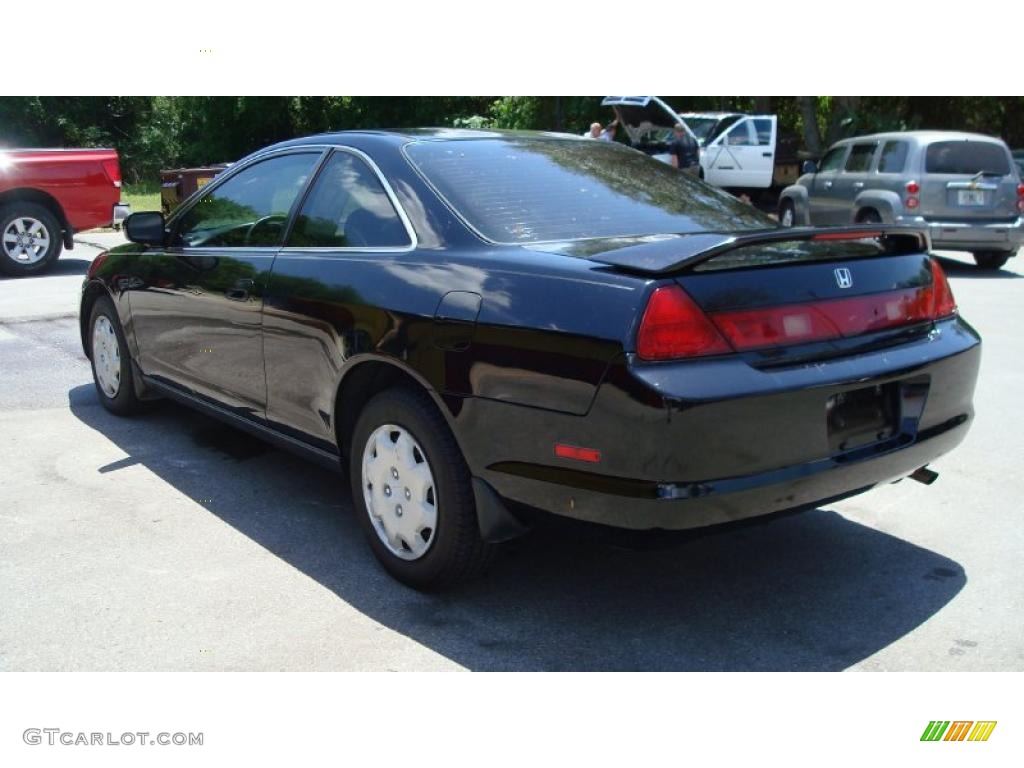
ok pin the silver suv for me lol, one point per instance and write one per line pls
(965, 188)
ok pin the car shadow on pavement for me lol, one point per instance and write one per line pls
(812, 591)
(63, 266)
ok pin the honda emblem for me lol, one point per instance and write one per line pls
(843, 277)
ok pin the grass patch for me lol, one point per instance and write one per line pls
(141, 197)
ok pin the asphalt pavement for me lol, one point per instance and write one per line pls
(172, 542)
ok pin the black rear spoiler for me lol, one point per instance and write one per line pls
(671, 254)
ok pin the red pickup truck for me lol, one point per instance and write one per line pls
(46, 195)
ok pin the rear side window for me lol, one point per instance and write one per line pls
(348, 208)
(893, 157)
(832, 159)
(966, 157)
(763, 127)
(860, 158)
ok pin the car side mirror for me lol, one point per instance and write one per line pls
(145, 228)
(809, 166)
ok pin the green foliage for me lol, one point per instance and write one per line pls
(156, 132)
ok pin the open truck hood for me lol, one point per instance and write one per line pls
(640, 114)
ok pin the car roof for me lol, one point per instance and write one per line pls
(923, 137)
(405, 135)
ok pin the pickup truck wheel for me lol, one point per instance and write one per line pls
(787, 214)
(412, 493)
(31, 240)
(111, 361)
(991, 259)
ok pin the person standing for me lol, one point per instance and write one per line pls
(602, 134)
(684, 151)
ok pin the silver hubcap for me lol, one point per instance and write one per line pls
(787, 217)
(26, 240)
(398, 488)
(106, 356)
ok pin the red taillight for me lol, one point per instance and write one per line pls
(913, 187)
(943, 303)
(113, 170)
(1020, 190)
(912, 203)
(674, 326)
(589, 455)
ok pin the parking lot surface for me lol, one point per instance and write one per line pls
(172, 542)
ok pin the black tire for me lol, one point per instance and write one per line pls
(9, 215)
(457, 552)
(786, 206)
(124, 402)
(869, 216)
(991, 259)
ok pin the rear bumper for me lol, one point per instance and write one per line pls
(962, 236)
(723, 447)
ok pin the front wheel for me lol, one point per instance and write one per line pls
(31, 240)
(111, 363)
(991, 259)
(412, 493)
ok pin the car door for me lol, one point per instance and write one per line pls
(850, 181)
(742, 156)
(324, 288)
(197, 311)
(823, 205)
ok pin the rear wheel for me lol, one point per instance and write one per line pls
(30, 242)
(111, 361)
(412, 493)
(991, 259)
(787, 213)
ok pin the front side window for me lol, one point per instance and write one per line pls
(741, 135)
(860, 158)
(251, 208)
(893, 157)
(348, 208)
(832, 160)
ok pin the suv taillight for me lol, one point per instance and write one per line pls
(113, 170)
(1020, 198)
(913, 188)
(674, 326)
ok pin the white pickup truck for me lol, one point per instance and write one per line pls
(737, 150)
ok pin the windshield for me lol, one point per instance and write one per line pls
(528, 190)
(967, 157)
(701, 127)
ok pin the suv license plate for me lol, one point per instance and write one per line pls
(970, 197)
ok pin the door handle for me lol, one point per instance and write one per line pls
(827, 184)
(858, 185)
(766, 154)
(240, 290)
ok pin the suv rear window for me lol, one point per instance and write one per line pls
(518, 190)
(967, 157)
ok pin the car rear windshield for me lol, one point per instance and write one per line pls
(967, 157)
(529, 190)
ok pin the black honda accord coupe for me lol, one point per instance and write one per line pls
(482, 328)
